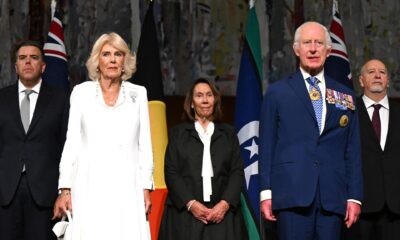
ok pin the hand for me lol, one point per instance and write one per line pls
(147, 201)
(266, 210)
(352, 213)
(62, 204)
(217, 213)
(200, 212)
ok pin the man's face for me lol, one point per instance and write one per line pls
(29, 65)
(374, 78)
(311, 48)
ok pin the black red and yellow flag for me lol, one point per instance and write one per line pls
(149, 75)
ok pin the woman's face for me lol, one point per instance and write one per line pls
(203, 101)
(111, 62)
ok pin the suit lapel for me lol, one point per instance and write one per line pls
(364, 117)
(192, 131)
(392, 120)
(298, 85)
(330, 84)
(15, 108)
(41, 104)
(217, 133)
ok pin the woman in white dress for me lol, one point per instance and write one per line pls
(106, 169)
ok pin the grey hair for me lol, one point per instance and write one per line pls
(328, 41)
(362, 70)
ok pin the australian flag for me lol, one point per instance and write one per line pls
(247, 111)
(56, 72)
(337, 65)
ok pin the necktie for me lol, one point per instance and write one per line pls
(25, 109)
(376, 121)
(316, 99)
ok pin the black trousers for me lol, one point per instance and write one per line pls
(23, 219)
(383, 225)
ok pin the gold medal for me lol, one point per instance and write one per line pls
(344, 120)
(314, 94)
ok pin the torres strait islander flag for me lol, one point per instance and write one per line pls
(56, 72)
(337, 65)
(149, 75)
(247, 111)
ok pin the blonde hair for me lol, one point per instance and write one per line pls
(92, 64)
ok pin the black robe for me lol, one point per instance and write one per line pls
(183, 164)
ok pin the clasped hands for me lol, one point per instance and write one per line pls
(208, 215)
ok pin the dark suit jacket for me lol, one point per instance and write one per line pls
(381, 168)
(183, 164)
(40, 148)
(295, 158)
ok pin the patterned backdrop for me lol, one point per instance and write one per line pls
(202, 38)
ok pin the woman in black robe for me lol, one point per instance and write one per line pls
(203, 173)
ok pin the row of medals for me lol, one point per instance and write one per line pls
(316, 95)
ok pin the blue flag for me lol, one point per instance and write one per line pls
(56, 72)
(337, 65)
(247, 111)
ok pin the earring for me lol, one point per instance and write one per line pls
(97, 69)
(123, 70)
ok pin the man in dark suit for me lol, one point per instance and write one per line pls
(33, 122)
(310, 166)
(380, 151)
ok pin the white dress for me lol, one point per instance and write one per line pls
(107, 161)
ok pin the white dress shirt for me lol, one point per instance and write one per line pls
(32, 97)
(383, 115)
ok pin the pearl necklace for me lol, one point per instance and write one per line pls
(113, 101)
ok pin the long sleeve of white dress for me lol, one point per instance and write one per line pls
(145, 147)
(72, 143)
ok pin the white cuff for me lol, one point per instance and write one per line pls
(265, 195)
(355, 201)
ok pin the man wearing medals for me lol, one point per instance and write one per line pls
(310, 166)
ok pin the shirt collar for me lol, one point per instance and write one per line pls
(368, 102)
(306, 75)
(200, 129)
(36, 88)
